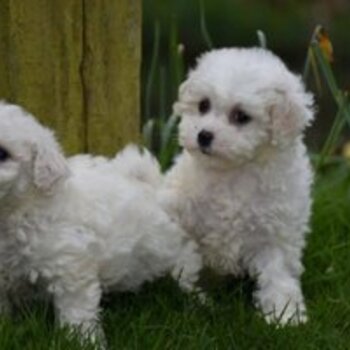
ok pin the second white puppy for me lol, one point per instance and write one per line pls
(241, 187)
(82, 226)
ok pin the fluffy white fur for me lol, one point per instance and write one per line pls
(245, 195)
(81, 226)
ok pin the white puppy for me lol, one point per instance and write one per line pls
(241, 187)
(81, 226)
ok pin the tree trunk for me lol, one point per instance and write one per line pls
(75, 65)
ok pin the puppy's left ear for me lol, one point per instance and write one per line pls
(50, 166)
(291, 111)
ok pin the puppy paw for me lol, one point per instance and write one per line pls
(289, 316)
(290, 312)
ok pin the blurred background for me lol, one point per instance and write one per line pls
(176, 31)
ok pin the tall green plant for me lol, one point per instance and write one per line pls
(318, 59)
(159, 130)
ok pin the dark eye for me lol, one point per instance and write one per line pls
(204, 106)
(238, 117)
(4, 155)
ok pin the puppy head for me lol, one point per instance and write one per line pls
(238, 102)
(29, 155)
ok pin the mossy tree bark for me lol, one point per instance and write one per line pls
(75, 65)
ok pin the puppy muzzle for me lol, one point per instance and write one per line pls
(205, 139)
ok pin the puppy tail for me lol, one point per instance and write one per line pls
(138, 164)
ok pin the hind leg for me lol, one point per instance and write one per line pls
(78, 308)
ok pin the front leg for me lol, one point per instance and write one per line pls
(189, 263)
(77, 306)
(187, 270)
(279, 294)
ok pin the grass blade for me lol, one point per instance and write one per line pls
(326, 70)
(169, 144)
(261, 39)
(152, 71)
(203, 24)
(333, 136)
(147, 133)
(176, 61)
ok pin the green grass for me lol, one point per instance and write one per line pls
(160, 317)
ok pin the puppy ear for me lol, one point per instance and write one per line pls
(50, 166)
(291, 112)
(180, 105)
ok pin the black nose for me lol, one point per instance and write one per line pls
(205, 138)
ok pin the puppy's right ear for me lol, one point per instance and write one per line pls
(50, 166)
(180, 104)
